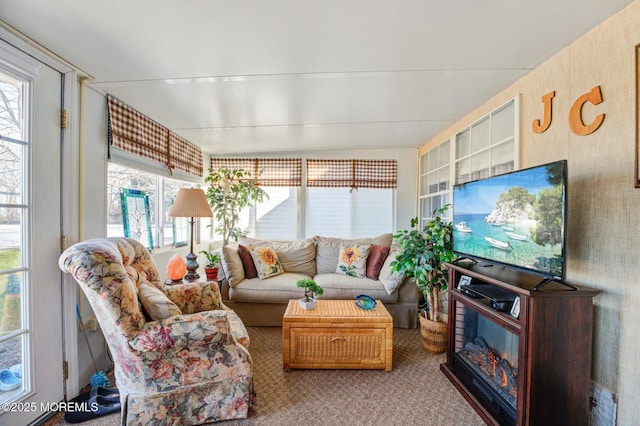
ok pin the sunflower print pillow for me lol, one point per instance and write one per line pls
(267, 262)
(352, 259)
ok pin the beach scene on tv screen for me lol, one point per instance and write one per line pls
(516, 218)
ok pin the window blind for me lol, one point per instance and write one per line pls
(336, 212)
(184, 156)
(354, 174)
(131, 131)
(267, 171)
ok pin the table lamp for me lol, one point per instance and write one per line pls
(191, 203)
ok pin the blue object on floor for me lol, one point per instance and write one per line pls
(109, 394)
(96, 406)
(16, 370)
(8, 380)
(100, 379)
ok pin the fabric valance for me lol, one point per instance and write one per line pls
(267, 171)
(352, 174)
(184, 156)
(134, 132)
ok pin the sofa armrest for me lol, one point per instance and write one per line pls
(195, 297)
(224, 289)
(408, 291)
(182, 331)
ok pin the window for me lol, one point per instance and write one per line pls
(339, 212)
(14, 219)
(276, 218)
(346, 198)
(170, 231)
(435, 181)
(486, 148)
(350, 198)
(145, 153)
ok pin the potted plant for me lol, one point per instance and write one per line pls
(422, 256)
(211, 267)
(230, 191)
(311, 289)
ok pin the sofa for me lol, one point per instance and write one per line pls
(343, 268)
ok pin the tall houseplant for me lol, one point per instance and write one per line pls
(230, 191)
(422, 255)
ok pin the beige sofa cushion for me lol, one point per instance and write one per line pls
(391, 280)
(276, 289)
(340, 286)
(232, 264)
(328, 250)
(295, 256)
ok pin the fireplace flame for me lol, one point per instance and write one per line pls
(496, 369)
(505, 380)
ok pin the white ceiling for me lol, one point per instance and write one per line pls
(244, 76)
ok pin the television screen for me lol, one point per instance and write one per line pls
(516, 219)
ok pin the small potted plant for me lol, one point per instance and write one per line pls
(311, 289)
(211, 268)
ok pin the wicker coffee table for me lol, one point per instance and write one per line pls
(337, 335)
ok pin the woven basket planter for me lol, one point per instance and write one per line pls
(434, 335)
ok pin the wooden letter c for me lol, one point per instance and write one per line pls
(575, 113)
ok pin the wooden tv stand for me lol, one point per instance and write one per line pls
(554, 349)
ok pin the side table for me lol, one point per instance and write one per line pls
(202, 280)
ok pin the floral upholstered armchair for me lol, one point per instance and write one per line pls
(180, 355)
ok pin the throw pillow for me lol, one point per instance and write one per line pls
(377, 256)
(391, 280)
(352, 259)
(267, 262)
(295, 256)
(232, 265)
(328, 249)
(156, 304)
(247, 261)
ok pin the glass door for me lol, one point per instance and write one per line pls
(31, 373)
(14, 271)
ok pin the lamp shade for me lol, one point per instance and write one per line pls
(190, 202)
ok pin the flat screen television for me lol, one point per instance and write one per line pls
(516, 219)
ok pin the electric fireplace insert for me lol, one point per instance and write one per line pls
(486, 355)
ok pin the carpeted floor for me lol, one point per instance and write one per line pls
(415, 392)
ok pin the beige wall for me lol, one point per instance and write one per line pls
(602, 245)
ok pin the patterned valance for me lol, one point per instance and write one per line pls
(352, 174)
(134, 132)
(267, 171)
(184, 156)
